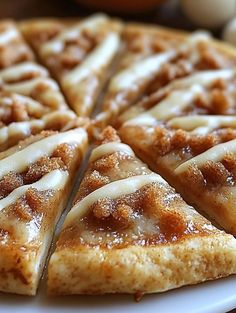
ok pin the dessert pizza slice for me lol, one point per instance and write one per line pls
(132, 83)
(78, 55)
(21, 116)
(130, 232)
(35, 182)
(20, 74)
(194, 152)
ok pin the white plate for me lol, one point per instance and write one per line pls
(217, 296)
(211, 297)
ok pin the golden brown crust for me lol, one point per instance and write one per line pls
(141, 269)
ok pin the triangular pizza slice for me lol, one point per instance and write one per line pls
(79, 55)
(35, 182)
(20, 73)
(189, 138)
(138, 80)
(130, 232)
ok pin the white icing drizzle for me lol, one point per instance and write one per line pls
(57, 115)
(54, 180)
(203, 78)
(202, 124)
(33, 107)
(112, 190)
(25, 128)
(16, 128)
(174, 103)
(95, 61)
(26, 87)
(140, 70)
(109, 148)
(20, 160)
(150, 65)
(57, 44)
(8, 35)
(16, 72)
(191, 45)
(215, 154)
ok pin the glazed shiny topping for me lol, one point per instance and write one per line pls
(8, 35)
(151, 215)
(214, 154)
(29, 186)
(82, 49)
(138, 71)
(18, 108)
(19, 161)
(217, 96)
(202, 124)
(114, 190)
(171, 106)
(57, 44)
(30, 79)
(203, 78)
(95, 62)
(122, 205)
(21, 72)
(15, 131)
(52, 181)
(109, 148)
(145, 68)
(153, 72)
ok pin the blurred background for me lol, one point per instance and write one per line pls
(185, 14)
(215, 15)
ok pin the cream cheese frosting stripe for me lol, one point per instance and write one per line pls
(109, 148)
(167, 108)
(57, 44)
(54, 180)
(215, 154)
(112, 190)
(150, 65)
(25, 87)
(15, 72)
(20, 160)
(25, 128)
(95, 61)
(138, 71)
(202, 124)
(8, 35)
(33, 107)
(203, 78)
